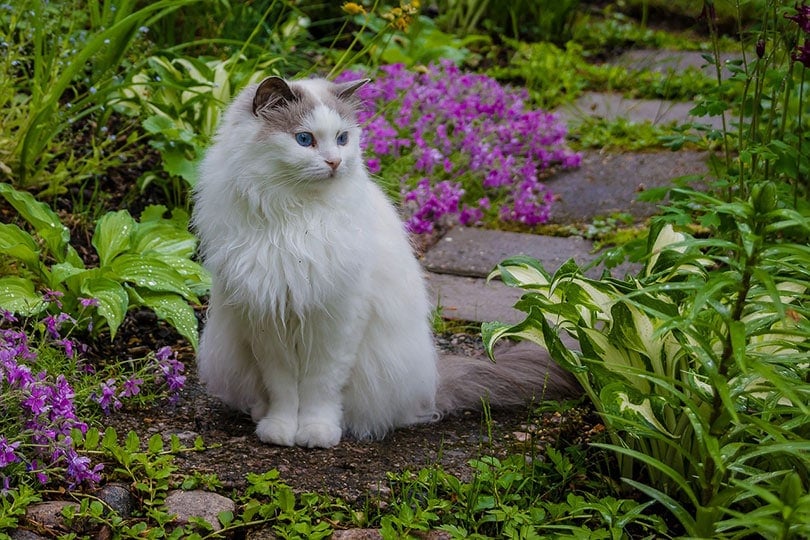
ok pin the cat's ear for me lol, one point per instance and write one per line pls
(271, 92)
(347, 89)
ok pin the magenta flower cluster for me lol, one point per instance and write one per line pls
(45, 410)
(462, 145)
(40, 408)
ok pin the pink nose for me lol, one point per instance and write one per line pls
(333, 163)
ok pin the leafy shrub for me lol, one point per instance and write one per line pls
(460, 146)
(147, 263)
(178, 100)
(62, 62)
(699, 365)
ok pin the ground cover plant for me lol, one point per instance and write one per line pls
(697, 366)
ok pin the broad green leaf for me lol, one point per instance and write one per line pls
(165, 237)
(17, 295)
(112, 298)
(176, 311)
(112, 235)
(17, 243)
(150, 273)
(44, 220)
(62, 272)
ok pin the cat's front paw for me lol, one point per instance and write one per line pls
(275, 430)
(318, 435)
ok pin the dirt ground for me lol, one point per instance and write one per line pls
(353, 470)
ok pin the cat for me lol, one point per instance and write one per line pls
(318, 321)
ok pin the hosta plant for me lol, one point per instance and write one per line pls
(140, 263)
(699, 365)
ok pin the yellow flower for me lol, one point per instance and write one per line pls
(353, 8)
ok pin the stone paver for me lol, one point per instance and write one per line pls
(459, 263)
(663, 61)
(613, 106)
(609, 183)
(462, 298)
(476, 252)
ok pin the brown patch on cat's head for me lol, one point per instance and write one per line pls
(284, 105)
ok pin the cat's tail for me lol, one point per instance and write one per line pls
(521, 373)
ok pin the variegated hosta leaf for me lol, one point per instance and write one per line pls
(632, 408)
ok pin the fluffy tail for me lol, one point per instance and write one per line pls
(520, 374)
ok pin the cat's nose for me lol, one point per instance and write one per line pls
(333, 163)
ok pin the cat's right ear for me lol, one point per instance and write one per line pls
(271, 92)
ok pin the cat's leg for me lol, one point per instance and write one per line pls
(225, 362)
(278, 372)
(327, 362)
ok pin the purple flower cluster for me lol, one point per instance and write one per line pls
(464, 146)
(38, 405)
(43, 407)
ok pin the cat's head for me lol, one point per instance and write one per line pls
(310, 127)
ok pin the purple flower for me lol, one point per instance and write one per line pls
(53, 297)
(8, 452)
(107, 398)
(801, 18)
(54, 323)
(802, 54)
(88, 302)
(170, 371)
(131, 387)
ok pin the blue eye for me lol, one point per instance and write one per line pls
(343, 138)
(304, 138)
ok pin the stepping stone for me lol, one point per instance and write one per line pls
(665, 61)
(459, 263)
(606, 184)
(462, 298)
(476, 252)
(609, 106)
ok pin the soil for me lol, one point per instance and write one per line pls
(354, 470)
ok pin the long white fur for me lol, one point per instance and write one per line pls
(318, 317)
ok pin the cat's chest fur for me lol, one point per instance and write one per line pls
(295, 263)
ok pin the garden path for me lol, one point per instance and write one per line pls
(605, 183)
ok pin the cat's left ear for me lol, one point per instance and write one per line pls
(347, 89)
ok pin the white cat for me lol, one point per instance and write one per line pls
(318, 320)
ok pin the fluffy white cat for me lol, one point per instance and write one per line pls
(318, 320)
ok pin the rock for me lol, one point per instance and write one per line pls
(118, 498)
(202, 504)
(357, 534)
(48, 514)
(22, 534)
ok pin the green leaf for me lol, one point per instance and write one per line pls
(155, 444)
(17, 295)
(150, 273)
(112, 235)
(112, 298)
(17, 243)
(165, 237)
(176, 311)
(45, 222)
